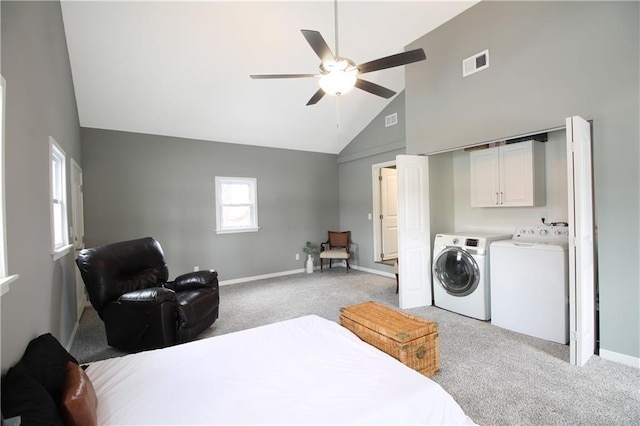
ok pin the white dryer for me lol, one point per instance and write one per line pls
(461, 273)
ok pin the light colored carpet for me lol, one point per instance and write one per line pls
(497, 376)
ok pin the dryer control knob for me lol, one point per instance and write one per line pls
(544, 232)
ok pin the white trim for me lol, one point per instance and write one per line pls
(4, 268)
(391, 163)
(236, 231)
(620, 358)
(73, 335)
(61, 252)
(261, 277)
(77, 220)
(374, 271)
(4, 283)
(298, 271)
(376, 203)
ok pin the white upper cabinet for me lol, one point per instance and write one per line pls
(508, 176)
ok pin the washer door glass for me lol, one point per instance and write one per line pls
(457, 271)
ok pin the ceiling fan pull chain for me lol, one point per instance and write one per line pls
(335, 15)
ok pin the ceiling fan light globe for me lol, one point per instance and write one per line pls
(338, 82)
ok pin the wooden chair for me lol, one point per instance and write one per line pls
(336, 247)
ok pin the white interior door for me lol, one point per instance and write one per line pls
(414, 232)
(581, 245)
(77, 230)
(389, 212)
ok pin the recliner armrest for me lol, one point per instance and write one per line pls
(194, 280)
(152, 296)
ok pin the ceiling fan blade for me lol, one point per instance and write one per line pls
(376, 89)
(396, 60)
(317, 43)
(316, 97)
(263, 76)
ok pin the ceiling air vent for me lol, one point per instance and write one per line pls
(475, 63)
(391, 120)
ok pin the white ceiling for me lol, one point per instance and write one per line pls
(182, 68)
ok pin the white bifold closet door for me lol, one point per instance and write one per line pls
(581, 244)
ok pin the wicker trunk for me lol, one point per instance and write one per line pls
(411, 340)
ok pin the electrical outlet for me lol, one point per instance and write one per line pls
(370, 216)
(196, 268)
(297, 256)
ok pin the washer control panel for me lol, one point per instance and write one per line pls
(542, 234)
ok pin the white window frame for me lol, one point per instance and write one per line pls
(222, 228)
(5, 279)
(58, 196)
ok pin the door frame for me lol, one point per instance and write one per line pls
(77, 232)
(375, 183)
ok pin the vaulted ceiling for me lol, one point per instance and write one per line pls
(182, 68)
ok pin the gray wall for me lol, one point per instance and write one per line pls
(40, 103)
(137, 185)
(374, 145)
(548, 61)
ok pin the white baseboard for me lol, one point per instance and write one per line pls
(298, 271)
(261, 277)
(374, 271)
(73, 336)
(620, 358)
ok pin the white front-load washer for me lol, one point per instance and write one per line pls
(461, 273)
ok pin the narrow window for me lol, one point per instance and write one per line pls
(236, 205)
(58, 175)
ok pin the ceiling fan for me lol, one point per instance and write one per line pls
(339, 75)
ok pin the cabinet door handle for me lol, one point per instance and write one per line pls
(501, 198)
(497, 199)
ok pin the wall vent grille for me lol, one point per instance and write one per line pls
(475, 63)
(391, 120)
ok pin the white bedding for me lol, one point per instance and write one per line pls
(307, 370)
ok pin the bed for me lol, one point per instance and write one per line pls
(307, 370)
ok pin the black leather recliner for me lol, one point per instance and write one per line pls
(128, 286)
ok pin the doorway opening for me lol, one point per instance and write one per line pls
(77, 232)
(385, 212)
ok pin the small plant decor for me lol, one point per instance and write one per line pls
(311, 248)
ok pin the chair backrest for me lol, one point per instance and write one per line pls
(111, 270)
(339, 239)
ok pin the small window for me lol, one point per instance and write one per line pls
(59, 236)
(236, 205)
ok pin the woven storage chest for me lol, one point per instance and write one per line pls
(411, 340)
